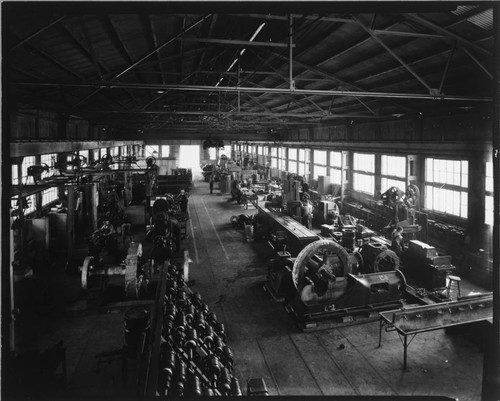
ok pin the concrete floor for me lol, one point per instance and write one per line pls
(229, 273)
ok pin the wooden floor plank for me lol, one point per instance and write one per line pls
(293, 376)
(327, 374)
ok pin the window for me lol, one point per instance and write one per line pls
(211, 153)
(446, 186)
(15, 178)
(292, 160)
(95, 155)
(47, 159)
(303, 161)
(30, 202)
(274, 157)
(151, 150)
(320, 164)
(104, 151)
(84, 153)
(49, 195)
(283, 159)
(391, 168)
(320, 157)
(336, 167)
(488, 199)
(165, 150)
(27, 162)
(364, 173)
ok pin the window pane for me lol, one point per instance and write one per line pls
(336, 175)
(15, 178)
(488, 210)
(320, 157)
(319, 170)
(364, 162)
(387, 183)
(49, 195)
(292, 167)
(393, 165)
(364, 183)
(292, 154)
(489, 176)
(335, 159)
(152, 150)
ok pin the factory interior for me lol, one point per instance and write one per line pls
(237, 199)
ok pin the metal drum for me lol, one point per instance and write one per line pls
(137, 325)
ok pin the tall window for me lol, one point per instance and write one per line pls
(320, 165)
(274, 157)
(95, 154)
(364, 173)
(303, 161)
(282, 155)
(292, 160)
(15, 178)
(27, 162)
(336, 167)
(47, 159)
(488, 200)
(49, 195)
(393, 171)
(446, 183)
(165, 150)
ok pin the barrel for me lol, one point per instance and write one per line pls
(137, 324)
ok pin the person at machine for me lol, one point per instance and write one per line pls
(182, 198)
(307, 211)
(397, 244)
(211, 182)
(107, 229)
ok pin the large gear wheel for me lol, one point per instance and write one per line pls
(314, 256)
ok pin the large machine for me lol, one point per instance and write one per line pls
(324, 285)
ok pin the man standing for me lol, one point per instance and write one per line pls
(211, 183)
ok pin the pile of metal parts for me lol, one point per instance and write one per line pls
(194, 358)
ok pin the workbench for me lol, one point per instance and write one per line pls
(412, 320)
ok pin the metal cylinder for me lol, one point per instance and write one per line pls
(137, 324)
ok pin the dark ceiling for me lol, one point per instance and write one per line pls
(165, 67)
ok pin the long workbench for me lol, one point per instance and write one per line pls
(410, 321)
(290, 232)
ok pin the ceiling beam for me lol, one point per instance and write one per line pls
(465, 42)
(232, 42)
(38, 32)
(393, 54)
(236, 89)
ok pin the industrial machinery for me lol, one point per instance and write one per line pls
(166, 230)
(325, 283)
(96, 275)
(329, 288)
(403, 206)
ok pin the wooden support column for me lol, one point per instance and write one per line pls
(491, 365)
